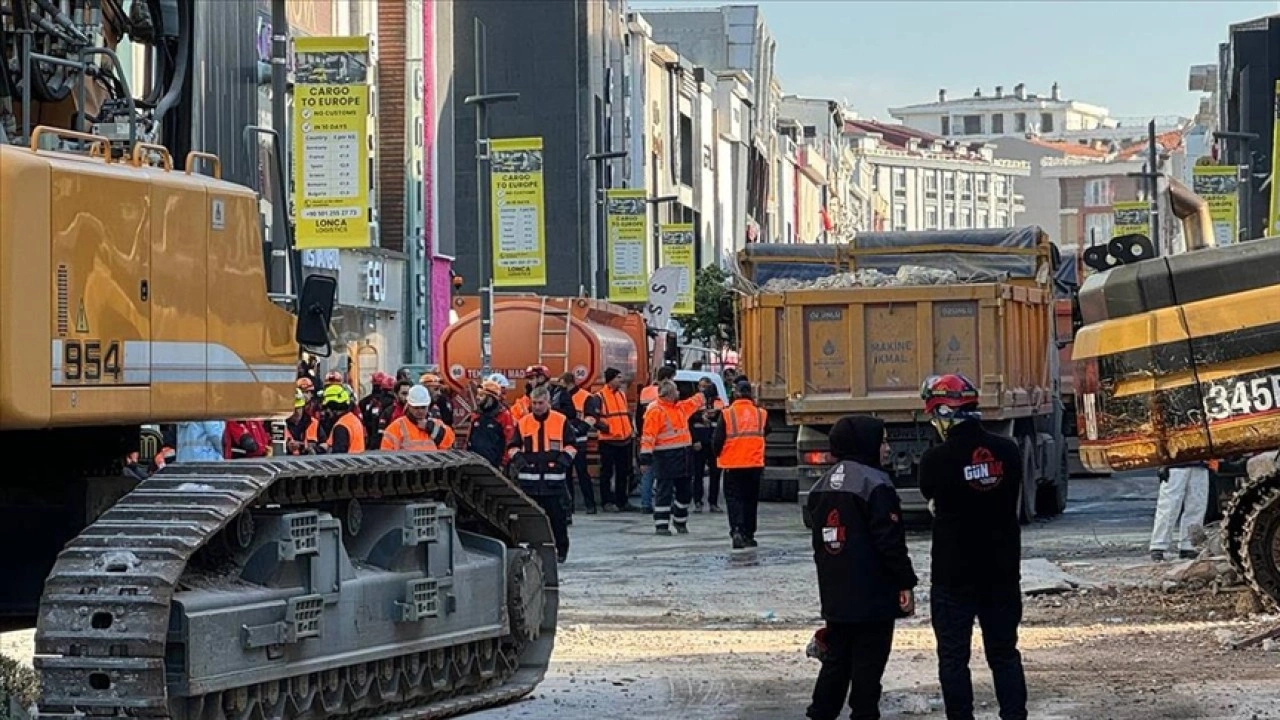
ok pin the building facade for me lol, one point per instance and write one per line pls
(983, 116)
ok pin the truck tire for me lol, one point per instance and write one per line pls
(1027, 493)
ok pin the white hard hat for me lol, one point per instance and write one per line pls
(501, 379)
(419, 396)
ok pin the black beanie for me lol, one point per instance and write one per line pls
(611, 373)
(857, 438)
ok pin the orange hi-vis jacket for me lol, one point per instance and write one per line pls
(744, 426)
(615, 419)
(521, 407)
(542, 445)
(649, 394)
(355, 429)
(666, 439)
(404, 435)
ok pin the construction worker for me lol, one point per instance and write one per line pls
(972, 482)
(738, 449)
(308, 390)
(571, 401)
(417, 431)
(648, 396)
(1182, 501)
(537, 376)
(665, 447)
(539, 458)
(344, 433)
(615, 438)
(245, 439)
(492, 428)
(304, 430)
(865, 577)
(377, 407)
(703, 424)
(441, 404)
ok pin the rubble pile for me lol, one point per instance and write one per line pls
(907, 275)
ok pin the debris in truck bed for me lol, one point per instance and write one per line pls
(907, 275)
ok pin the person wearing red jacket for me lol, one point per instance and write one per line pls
(245, 439)
(402, 399)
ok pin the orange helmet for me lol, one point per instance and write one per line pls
(333, 377)
(429, 379)
(305, 384)
(492, 388)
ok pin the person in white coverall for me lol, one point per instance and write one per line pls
(1184, 493)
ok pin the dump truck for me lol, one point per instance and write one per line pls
(833, 330)
(136, 289)
(1179, 361)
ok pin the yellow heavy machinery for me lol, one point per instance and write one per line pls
(134, 289)
(1179, 361)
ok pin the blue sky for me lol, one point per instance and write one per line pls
(1131, 57)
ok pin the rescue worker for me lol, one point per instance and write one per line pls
(401, 394)
(539, 458)
(377, 407)
(571, 401)
(703, 424)
(417, 431)
(665, 448)
(615, 438)
(738, 449)
(492, 428)
(245, 439)
(308, 390)
(200, 441)
(304, 430)
(344, 433)
(648, 396)
(972, 483)
(865, 577)
(1183, 500)
(537, 376)
(441, 404)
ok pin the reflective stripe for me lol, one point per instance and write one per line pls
(538, 477)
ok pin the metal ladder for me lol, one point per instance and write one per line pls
(561, 329)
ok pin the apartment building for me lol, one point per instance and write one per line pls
(983, 116)
(921, 181)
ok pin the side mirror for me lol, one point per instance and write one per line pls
(315, 310)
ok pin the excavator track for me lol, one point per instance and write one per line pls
(354, 586)
(1251, 536)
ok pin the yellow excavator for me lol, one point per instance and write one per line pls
(1178, 360)
(135, 288)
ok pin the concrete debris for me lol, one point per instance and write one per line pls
(1262, 465)
(907, 275)
(1201, 570)
(1042, 577)
(1271, 645)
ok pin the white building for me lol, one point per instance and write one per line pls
(921, 181)
(985, 116)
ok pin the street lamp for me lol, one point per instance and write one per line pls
(654, 202)
(481, 101)
(600, 277)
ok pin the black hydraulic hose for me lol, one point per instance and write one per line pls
(173, 93)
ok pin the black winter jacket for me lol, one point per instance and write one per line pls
(859, 544)
(973, 479)
(487, 437)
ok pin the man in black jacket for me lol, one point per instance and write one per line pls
(865, 578)
(971, 481)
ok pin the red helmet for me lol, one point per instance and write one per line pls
(953, 391)
(333, 377)
(537, 370)
(382, 381)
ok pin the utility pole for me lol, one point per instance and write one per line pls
(599, 246)
(481, 101)
(1244, 213)
(280, 260)
(1151, 173)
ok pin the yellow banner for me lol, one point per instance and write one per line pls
(1131, 218)
(626, 211)
(518, 213)
(1219, 186)
(1273, 223)
(677, 252)
(330, 142)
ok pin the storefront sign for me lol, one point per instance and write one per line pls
(1131, 218)
(321, 259)
(626, 211)
(330, 130)
(677, 251)
(518, 213)
(1219, 186)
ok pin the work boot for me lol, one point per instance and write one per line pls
(697, 507)
(715, 508)
(682, 529)
(739, 542)
(1157, 556)
(610, 508)
(626, 508)
(562, 556)
(592, 510)
(1188, 554)
(751, 542)
(568, 520)
(662, 531)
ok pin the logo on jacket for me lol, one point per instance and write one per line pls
(836, 481)
(833, 533)
(984, 472)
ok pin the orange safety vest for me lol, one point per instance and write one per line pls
(649, 395)
(580, 400)
(354, 428)
(666, 427)
(540, 443)
(617, 425)
(743, 436)
(521, 407)
(404, 435)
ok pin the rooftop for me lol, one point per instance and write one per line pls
(1070, 149)
(999, 97)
